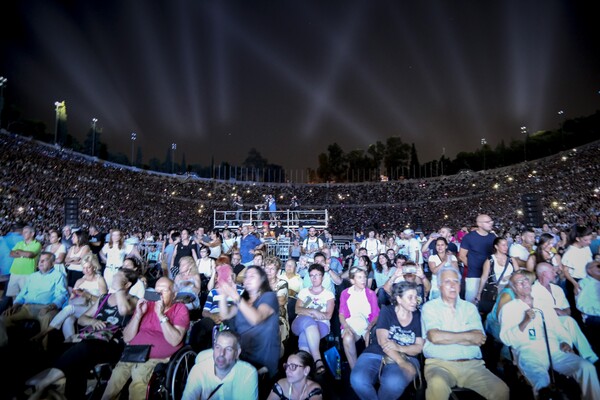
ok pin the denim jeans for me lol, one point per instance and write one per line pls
(365, 376)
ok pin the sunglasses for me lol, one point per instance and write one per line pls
(291, 366)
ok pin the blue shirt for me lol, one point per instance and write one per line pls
(6, 245)
(480, 248)
(250, 242)
(47, 288)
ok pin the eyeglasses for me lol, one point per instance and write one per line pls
(291, 366)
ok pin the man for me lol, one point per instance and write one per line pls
(412, 246)
(96, 240)
(25, 256)
(237, 266)
(547, 295)
(312, 244)
(588, 302)
(279, 230)
(7, 243)
(444, 232)
(521, 251)
(454, 334)
(238, 204)
(523, 329)
(163, 325)
(219, 374)
(66, 237)
(249, 243)
(373, 245)
(475, 248)
(42, 295)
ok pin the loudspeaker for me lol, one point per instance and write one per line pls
(532, 210)
(72, 211)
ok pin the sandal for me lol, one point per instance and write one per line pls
(319, 367)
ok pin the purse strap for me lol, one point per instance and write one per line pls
(214, 391)
(504, 270)
(101, 305)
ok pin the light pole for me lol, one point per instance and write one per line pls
(483, 143)
(561, 114)
(173, 148)
(57, 105)
(133, 137)
(94, 120)
(524, 132)
(3, 81)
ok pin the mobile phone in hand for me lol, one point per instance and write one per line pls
(151, 295)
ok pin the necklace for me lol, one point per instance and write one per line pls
(301, 393)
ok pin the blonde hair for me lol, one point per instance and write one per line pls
(93, 260)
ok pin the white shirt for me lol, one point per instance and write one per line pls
(576, 259)
(588, 300)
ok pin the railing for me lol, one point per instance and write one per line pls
(289, 218)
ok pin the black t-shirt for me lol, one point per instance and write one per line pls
(238, 268)
(97, 238)
(402, 335)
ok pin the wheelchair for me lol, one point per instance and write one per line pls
(169, 379)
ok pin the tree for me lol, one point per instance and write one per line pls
(396, 156)
(415, 166)
(377, 152)
(139, 160)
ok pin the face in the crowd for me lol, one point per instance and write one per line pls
(54, 238)
(67, 231)
(382, 260)
(75, 238)
(316, 278)
(45, 263)
(252, 280)
(185, 267)
(521, 285)
(409, 300)
(204, 253)
(225, 352)
(320, 260)
(502, 247)
(258, 259)
(391, 254)
(290, 267)
(236, 259)
(445, 233)
(485, 223)
(594, 271)
(371, 234)
(167, 293)
(185, 235)
(362, 262)
(270, 270)
(294, 370)
(528, 238)
(312, 232)
(359, 280)
(441, 247)
(400, 262)
(128, 264)
(88, 268)
(584, 241)
(115, 236)
(547, 274)
(362, 252)
(449, 286)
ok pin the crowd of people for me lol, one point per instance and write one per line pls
(398, 306)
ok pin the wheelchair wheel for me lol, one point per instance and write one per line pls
(168, 380)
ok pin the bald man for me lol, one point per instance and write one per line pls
(475, 248)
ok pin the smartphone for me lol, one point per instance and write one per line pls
(151, 295)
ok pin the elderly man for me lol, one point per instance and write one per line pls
(163, 325)
(44, 293)
(524, 330)
(547, 295)
(454, 334)
(475, 248)
(25, 255)
(219, 374)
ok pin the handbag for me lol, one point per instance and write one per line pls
(489, 294)
(88, 332)
(136, 353)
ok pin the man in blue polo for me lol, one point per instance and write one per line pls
(248, 244)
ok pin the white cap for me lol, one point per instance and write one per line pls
(408, 232)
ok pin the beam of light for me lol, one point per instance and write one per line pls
(339, 58)
(297, 80)
(220, 65)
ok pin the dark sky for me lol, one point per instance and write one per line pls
(291, 77)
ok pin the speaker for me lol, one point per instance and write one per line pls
(532, 210)
(72, 211)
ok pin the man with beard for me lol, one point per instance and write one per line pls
(220, 374)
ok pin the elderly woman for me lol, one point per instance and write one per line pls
(391, 359)
(314, 309)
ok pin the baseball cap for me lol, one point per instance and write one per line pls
(408, 232)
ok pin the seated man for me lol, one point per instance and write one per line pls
(44, 293)
(454, 334)
(588, 302)
(163, 325)
(547, 295)
(220, 374)
(523, 330)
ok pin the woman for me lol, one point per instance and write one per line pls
(188, 284)
(135, 264)
(314, 309)
(293, 279)
(576, 257)
(255, 316)
(206, 269)
(228, 242)
(391, 358)
(73, 259)
(358, 313)
(101, 342)
(295, 250)
(86, 292)
(391, 245)
(436, 261)
(499, 265)
(113, 254)
(58, 249)
(545, 252)
(384, 270)
(186, 247)
(279, 286)
(297, 384)
(214, 245)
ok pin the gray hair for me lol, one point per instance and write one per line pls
(446, 268)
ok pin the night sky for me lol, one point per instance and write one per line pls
(291, 77)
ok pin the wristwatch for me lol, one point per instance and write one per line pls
(164, 319)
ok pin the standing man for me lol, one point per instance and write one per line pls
(452, 351)
(219, 374)
(475, 248)
(312, 244)
(25, 256)
(96, 240)
(248, 244)
(238, 204)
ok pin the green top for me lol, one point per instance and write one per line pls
(23, 265)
